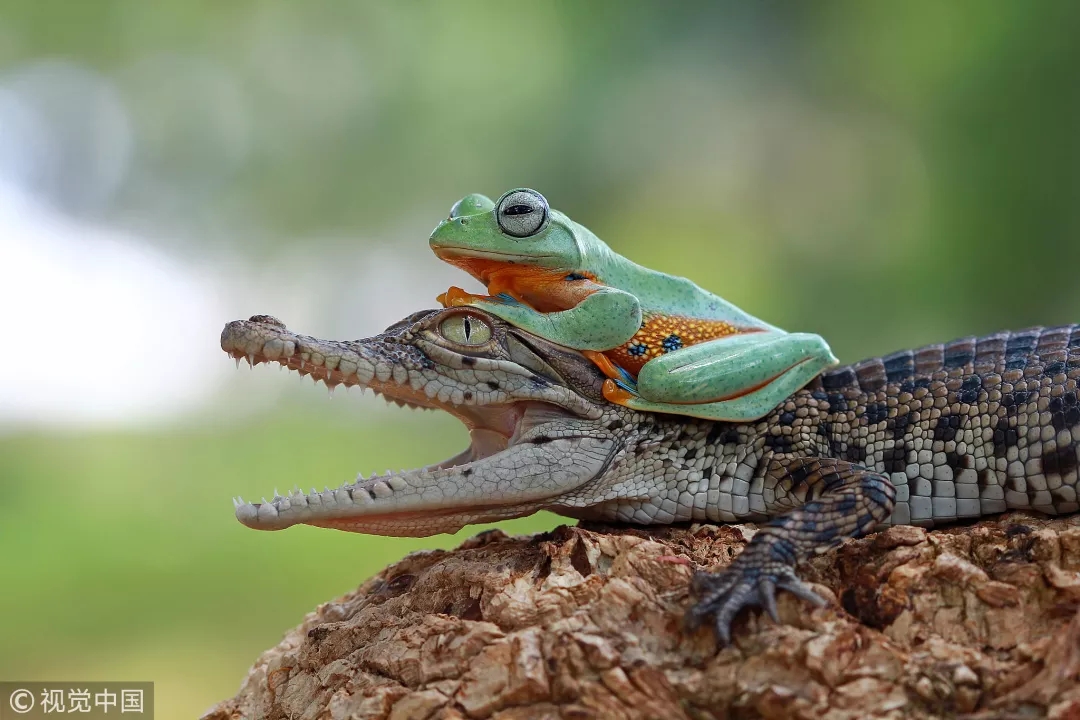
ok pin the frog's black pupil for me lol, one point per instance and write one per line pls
(518, 210)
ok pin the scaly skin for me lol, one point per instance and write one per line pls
(665, 344)
(930, 436)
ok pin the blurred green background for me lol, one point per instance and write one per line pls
(885, 174)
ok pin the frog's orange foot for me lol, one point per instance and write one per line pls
(617, 395)
(456, 297)
(605, 364)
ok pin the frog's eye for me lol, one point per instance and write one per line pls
(465, 330)
(521, 213)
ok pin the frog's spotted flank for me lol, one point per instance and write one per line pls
(660, 334)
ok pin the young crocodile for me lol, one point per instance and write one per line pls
(930, 436)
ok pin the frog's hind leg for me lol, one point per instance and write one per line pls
(738, 378)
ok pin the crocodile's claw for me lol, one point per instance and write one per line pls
(751, 580)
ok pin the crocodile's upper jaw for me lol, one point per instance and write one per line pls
(503, 473)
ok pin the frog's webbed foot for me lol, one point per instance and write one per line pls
(739, 378)
(618, 376)
(456, 297)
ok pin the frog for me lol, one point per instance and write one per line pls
(663, 343)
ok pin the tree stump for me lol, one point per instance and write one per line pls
(584, 622)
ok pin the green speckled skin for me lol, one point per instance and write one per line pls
(738, 377)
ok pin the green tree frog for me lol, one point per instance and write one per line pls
(665, 344)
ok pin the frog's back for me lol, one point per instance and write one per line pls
(663, 294)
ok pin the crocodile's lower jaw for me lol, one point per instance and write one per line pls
(474, 486)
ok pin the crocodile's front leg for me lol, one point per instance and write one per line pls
(843, 500)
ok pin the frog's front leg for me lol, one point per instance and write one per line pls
(738, 378)
(605, 319)
(456, 297)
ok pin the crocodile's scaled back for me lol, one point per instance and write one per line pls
(929, 436)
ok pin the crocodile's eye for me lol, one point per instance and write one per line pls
(521, 213)
(465, 330)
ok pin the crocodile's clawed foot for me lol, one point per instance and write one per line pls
(751, 580)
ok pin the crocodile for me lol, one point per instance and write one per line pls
(942, 434)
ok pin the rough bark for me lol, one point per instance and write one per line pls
(586, 622)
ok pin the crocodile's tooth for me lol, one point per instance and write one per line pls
(330, 390)
(241, 499)
(237, 362)
(264, 501)
(267, 512)
(314, 491)
(343, 496)
(251, 359)
(236, 502)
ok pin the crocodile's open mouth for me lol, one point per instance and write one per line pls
(395, 502)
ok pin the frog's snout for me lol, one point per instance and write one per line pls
(473, 204)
